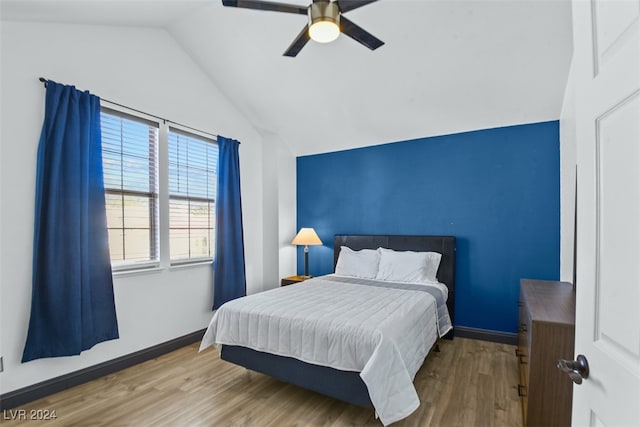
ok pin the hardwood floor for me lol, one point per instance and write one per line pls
(468, 383)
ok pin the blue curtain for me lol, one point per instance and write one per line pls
(72, 302)
(229, 271)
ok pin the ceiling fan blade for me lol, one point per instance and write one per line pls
(266, 5)
(347, 5)
(359, 34)
(298, 43)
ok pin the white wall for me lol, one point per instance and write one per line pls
(2, 327)
(270, 194)
(286, 210)
(144, 69)
(567, 178)
(279, 193)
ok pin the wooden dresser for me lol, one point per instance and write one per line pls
(545, 334)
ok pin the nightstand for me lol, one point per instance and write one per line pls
(292, 279)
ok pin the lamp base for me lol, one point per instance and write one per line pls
(306, 261)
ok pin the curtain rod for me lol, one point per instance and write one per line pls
(45, 81)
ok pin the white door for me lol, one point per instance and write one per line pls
(607, 61)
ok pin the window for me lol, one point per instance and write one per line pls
(192, 190)
(160, 189)
(130, 159)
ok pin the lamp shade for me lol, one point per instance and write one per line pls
(306, 236)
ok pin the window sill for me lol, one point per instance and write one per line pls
(137, 271)
(154, 269)
(182, 265)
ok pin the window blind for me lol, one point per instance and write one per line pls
(130, 163)
(192, 162)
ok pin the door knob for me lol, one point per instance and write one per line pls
(576, 369)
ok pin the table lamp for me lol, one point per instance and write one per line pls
(306, 237)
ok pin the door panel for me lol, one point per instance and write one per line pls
(612, 22)
(607, 82)
(618, 230)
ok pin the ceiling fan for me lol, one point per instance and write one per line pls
(325, 21)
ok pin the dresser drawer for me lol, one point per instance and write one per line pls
(545, 334)
(522, 352)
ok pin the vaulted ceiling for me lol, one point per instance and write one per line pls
(447, 65)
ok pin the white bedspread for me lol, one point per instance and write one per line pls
(381, 332)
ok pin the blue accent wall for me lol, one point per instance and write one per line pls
(496, 190)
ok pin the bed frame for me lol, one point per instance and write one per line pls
(344, 385)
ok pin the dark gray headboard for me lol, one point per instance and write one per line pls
(445, 245)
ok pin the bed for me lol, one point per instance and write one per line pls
(333, 367)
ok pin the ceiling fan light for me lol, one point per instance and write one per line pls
(324, 31)
(324, 21)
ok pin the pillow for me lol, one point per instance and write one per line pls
(363, 264)
(408, 266)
